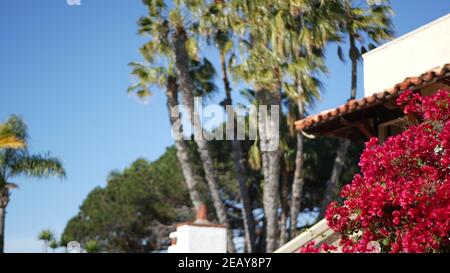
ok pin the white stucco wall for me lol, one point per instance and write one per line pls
(199, 239)
(409, 55)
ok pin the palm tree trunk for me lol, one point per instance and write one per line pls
(283, 232)
(182, 148)
(354, 58)
(2, 229)
(239, 167)
(45, 247)
(187, 86)
(332, 184)
(4, 199)
(297, 184)
(271, 170)
(271, 200)
(284, 202)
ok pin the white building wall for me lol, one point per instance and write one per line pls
(199, 239)
(410, 55)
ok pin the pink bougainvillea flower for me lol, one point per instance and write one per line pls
(401, 200)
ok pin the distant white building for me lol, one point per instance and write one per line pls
(199, 236)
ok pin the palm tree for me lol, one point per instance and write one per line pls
(168, 26)
(152, 74)
(148, 76)
(284, 48)
(184, 50)
(359, 23)
(279, 39)
(46, 236)
(216, 26)
(53, 245)
(261, 67)
(287, 165)
(18, 162)
(303, 30)
(187, 88)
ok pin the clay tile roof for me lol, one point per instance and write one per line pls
(354, 105)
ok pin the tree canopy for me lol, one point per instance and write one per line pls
(140, 205)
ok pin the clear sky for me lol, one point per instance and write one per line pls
(64, 70)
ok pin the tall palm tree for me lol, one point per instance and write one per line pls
(360, 24)
(46, 236)
(17, 162)
(149, 76)
(187, 88)
(304, 29)
(259, 66)
(215, 25)
(158, 72)
(169, 25)
(284, 42)
(286, 168)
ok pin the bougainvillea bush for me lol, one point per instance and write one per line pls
(401, 200)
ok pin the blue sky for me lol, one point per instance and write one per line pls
(64, 70)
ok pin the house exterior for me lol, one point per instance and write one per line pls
(418, 61)
(199, 236)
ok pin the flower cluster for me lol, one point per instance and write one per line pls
(401, 199)
(323, 248)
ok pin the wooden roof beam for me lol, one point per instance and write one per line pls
(366, 130)
(445, 81)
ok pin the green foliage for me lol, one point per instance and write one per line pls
(15, 162)
(366, 27)
(92, 246)
(53, 245)
(136, 208)
(46, 235)
(274, 45)
(64, 240)
(319, 160)
(15, 125)
(9, 139)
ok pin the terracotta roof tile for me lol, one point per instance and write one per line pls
(354, 105)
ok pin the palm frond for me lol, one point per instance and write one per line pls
(11, 142)
(14, 126)
(37, 166)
